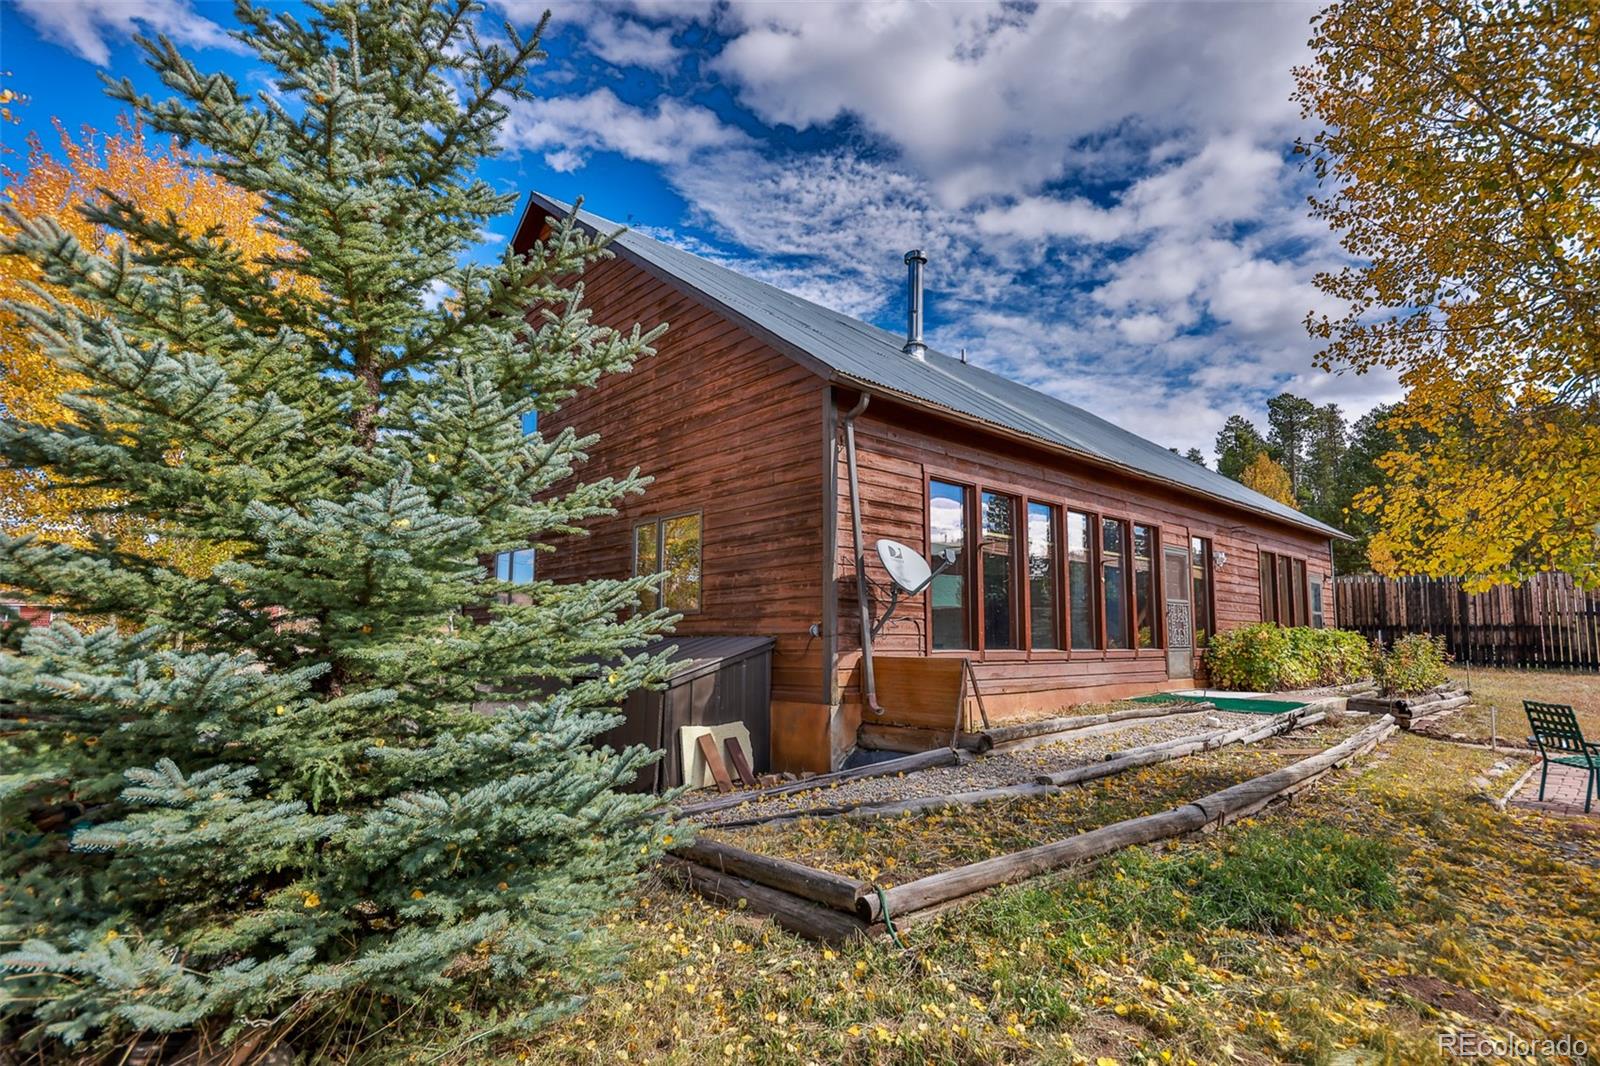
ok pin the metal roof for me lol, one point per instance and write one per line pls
(855, 352)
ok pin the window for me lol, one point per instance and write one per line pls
(1080, 582)
(670, 545)
(1283, 590)
(1200, 579)
(1316, 601)
(515, 567)
(1114, 581)
(998, 553)
(947, 532)
(647, 560)
(1145, 613)
(1043, 578)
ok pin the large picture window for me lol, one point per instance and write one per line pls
(1145, 613)
(672, 545)
(1044, 575)
(998, 554)
(1080, 582)
(1200, 580)
(1114, 581)
(948, 516)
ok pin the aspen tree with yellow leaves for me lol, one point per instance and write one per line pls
(1268, 478)
(1460, 162)
(90, 170)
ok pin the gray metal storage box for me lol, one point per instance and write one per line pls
(715, 680)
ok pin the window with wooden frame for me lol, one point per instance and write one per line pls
(1315, 586)
(1146, 612)
(949, 530)
(1283, 590)
(514, 567)
(1083, 618)
(670, 545)
(997, 568)
(1044, 577)
(1201, 583)
(1114, 584)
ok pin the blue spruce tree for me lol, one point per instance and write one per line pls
(264, 791)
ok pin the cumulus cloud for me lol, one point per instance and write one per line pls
(991, 98)
(1105, 191)
(88, 27)
(565, 128)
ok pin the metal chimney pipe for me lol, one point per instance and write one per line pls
(914, 346)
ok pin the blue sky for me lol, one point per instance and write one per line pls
(1106, 191)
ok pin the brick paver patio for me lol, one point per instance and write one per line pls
(1563, 794)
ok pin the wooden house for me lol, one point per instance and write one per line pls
(1089, 563)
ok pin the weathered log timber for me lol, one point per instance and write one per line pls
(819, 886)
(789, 911)
(1232, 802)
(1052, 783)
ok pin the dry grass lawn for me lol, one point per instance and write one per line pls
(1506, 689)
(1387, 906)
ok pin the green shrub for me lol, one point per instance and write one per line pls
(1266, 657)
(1415, 664)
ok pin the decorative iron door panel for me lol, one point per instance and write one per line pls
(1180, 618)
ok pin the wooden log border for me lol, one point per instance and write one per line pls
(1046, 785)
(837, 908)
(1217, 808)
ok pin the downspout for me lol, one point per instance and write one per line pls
(869, 684)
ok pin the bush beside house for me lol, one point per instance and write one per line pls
(1267, 657)
(1415, 664)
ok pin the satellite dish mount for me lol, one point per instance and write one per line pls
(910, 573)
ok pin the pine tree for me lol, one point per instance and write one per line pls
(1238, 444)
(1289, 421)
(277, 784)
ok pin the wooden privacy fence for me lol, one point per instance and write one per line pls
(1545, 622)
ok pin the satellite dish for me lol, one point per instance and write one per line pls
(906, 566)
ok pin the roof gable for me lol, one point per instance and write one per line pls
(850, 351)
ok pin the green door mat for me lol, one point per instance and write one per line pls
(1240, 705)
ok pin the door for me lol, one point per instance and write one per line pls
(1180, 619)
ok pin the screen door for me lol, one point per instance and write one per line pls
(1180, 620)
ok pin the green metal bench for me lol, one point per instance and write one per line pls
(1559, 740)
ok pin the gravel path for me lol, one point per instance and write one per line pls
(992, 769)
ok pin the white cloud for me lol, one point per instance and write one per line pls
(85, 27)
(627, 42)
(1104, 191)
(990, 98)
(565, 128)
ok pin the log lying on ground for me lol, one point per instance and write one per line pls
(912, 739)
(819, 886)
(1229, 803)
(1419, 707)
(1047, 785)
(920, 761)
(789, 911)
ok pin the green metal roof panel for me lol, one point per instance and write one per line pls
(864, 354)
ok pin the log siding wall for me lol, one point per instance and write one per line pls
(727, 428)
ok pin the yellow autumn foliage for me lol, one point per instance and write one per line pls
(31, 385)
(1460, 166)
(1268, 478)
